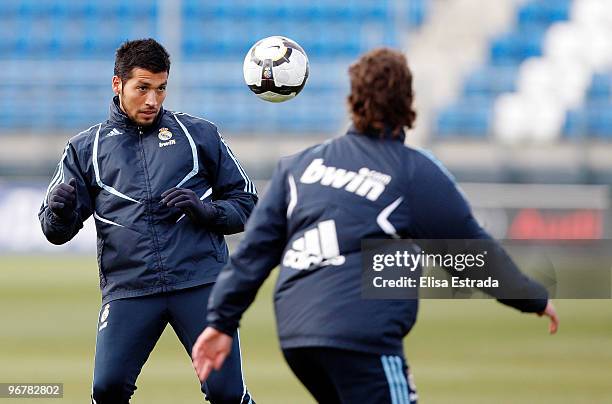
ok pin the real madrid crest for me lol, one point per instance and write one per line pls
(166, 137)
(164, 134)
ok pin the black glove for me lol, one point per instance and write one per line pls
(199, 212)
(62, 199)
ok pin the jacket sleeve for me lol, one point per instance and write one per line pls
(234, 193)
(257, 255)
(57, 230)
(440, 211)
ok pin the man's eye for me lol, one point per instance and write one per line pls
(142, 88)
(162, 89)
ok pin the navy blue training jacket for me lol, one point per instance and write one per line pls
(121, 170)
(319, 205)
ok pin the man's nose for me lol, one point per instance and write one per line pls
(151, 99)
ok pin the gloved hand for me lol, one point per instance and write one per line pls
(186, 200)
(62, 199)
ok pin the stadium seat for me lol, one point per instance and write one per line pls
(575, 125)
(600, 89)
(599, 120)
(490, 81)
(417, 12)
(594, 120)
(544, 12)
(469, 118)
(514, 47)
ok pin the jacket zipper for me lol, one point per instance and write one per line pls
(148, 207)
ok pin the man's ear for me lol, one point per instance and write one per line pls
(117, 85)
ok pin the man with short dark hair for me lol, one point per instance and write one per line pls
(163, 188)
(318, 207)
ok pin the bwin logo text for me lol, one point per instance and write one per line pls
(168, 143)
(367, 183)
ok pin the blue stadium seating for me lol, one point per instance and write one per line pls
(37, 35)
(594, 118)
(490, 81)
(468, 118)
(544, 12)
(327, 10)
(594, 121)
(600, 89)
(514, 47)
(76, 32)
(471, 114)
(525, 40)
(330, 28)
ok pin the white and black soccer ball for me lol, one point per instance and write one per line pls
(276, 69)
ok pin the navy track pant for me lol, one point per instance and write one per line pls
(338, 376)
(128, 330)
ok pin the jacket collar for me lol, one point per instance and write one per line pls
(387, 134)
(118, 117)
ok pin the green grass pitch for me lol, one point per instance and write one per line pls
(460, 351)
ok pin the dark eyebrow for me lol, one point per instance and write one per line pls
(148, 84)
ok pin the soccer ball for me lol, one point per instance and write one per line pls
(276, 69)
